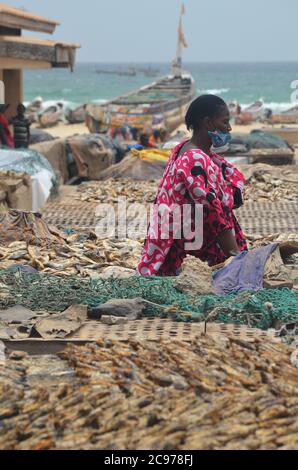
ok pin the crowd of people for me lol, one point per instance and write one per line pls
(15, 132)
(145, 138)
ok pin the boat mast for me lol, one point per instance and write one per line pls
(181, 43)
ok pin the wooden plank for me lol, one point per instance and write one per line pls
(38, 41)
(34, 348)
(276, 156)
(280, 152)
(10, 63)
(19, 20)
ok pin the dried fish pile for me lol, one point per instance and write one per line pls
(271, 184)
(109, 191)
(263, 185)
(28, 227)
(79, 256)
(212, 394)
(270, 189)
(274, 237)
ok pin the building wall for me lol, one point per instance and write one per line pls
(13, 81)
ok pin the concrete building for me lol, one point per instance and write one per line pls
(18, 52)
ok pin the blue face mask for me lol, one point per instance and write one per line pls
(220, 140)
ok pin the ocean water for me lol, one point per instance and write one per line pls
(244, 82)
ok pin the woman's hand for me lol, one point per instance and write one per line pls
(228, 243)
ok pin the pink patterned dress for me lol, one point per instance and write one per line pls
(194, 178)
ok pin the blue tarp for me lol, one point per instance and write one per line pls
(244, 273)
(25, 161)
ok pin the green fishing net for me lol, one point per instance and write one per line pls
(42, 292)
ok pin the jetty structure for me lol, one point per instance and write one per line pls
(18, 52)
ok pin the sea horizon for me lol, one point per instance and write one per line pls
(244, 82)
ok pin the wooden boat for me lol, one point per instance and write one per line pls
(290, 134)
(162, 103)
(77, 115)
(256, 109)
(52, 115)
(34, 108)
(125, 73)
(260, 147)
(148, 71)
(234, 109)
(289, 116)
(251, 113)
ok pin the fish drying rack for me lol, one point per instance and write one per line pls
(258, 218)
(153, 329)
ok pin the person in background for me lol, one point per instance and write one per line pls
(21, 128)
(268, 113)
(6, 138)
(145, 141)
(155, 138)
(163, 133)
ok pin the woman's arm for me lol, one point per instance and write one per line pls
(228, 243)
(233, 177)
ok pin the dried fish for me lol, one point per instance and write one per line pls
(109, 191)
(83, 252)
(264, 183)
(152, 395)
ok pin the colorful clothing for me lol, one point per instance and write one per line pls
(189, 179)
(7, 137)
(21, 131)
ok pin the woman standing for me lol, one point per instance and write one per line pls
(196, 174)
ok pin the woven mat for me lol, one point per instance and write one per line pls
(156, 329)
(267, 218)
(255, 218)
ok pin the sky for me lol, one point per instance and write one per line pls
(146, 30)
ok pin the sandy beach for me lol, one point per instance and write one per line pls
(63, 131)
(66, 130)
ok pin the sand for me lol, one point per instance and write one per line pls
(246, 129)
(67, 130)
